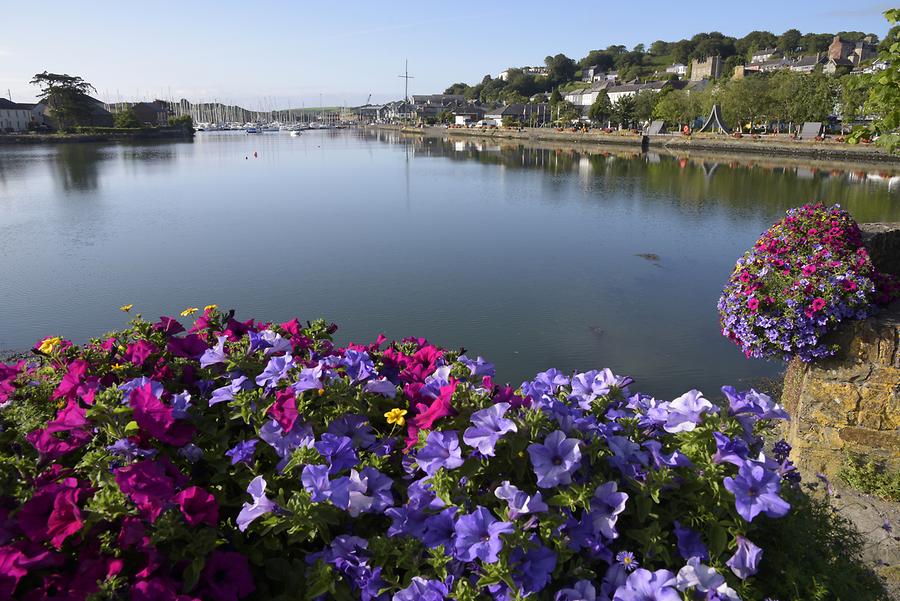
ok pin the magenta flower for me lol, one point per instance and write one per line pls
(198, 506)
(284, 410)
(190, 347)
(755, 491)
(227, 577)
(148, 485)
(137, 352)
(156, 418)
(62, 435)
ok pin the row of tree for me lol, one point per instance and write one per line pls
(641, 61)
(781, 98)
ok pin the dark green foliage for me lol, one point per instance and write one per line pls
(813, 554)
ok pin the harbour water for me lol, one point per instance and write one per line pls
(531, 257)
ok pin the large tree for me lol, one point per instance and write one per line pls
(623, 111)
(561, 68)
(66, 96)
(601, 109)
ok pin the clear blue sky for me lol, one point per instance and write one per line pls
(274, 51)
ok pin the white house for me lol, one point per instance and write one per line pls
(678, 69)
(762, 55)
(13, 116)
(586, 96)
(616, 93)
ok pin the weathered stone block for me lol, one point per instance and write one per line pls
(882, 240)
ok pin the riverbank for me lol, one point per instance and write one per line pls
(156, 133)
(773, 145)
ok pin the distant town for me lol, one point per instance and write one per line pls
(759, 83)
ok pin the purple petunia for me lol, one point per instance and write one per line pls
(518, 501)
(276, 370)
(338, 451)
(285, 443)
(243, 451)
(745, 561)
(488, 426)
(477, 367)
(582, 590)
(644, 585)
(214, 355)
(478, 536)
(316, 483)
(441, 450)
(362, 491)
(755, 491)
(685, 412)
(261, 504)
(381, 386)
(555, 459)
(310, 378)
(421, 589)
(689, 543)
(358, 364)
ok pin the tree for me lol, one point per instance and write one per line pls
(623, 111)
(681, 51)
(457, 88)
(789, 41)
(644, 103)
(555, 97)
(601, 109)
(852, 98)
(884, 94)
(673, 106)
(66, 96)
(127, 118)
(639, 48)
(755, 40)
(561, 69)
(597, 58)
(660, 48)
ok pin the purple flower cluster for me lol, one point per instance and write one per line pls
(246, 458)
(805, 275)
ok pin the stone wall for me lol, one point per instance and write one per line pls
(851, 402)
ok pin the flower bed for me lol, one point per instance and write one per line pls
(805, 275)
(247, 460)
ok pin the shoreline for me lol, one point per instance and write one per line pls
(146, 134)
(673, 144)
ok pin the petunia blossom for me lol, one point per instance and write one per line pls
(555, 459)
(260, 506)
(478, 536)
(488, 426)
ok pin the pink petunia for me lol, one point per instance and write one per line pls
(198, 506)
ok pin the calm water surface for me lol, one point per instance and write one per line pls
(529, 257)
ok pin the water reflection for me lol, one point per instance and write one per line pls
(770, 184)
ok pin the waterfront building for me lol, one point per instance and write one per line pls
(587, 96)
(14, 117)
(616, 93)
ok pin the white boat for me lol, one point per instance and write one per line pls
(296, 132)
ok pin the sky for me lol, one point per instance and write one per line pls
(267, 54)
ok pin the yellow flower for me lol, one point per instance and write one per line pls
(395, 416)
(208, 308)
(125, 308)
(321, 391)
(118, 366)
(189, 311)
(49, 345)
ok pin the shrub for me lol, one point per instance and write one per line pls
(872, 477)
(256, 460)
(805, 275)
